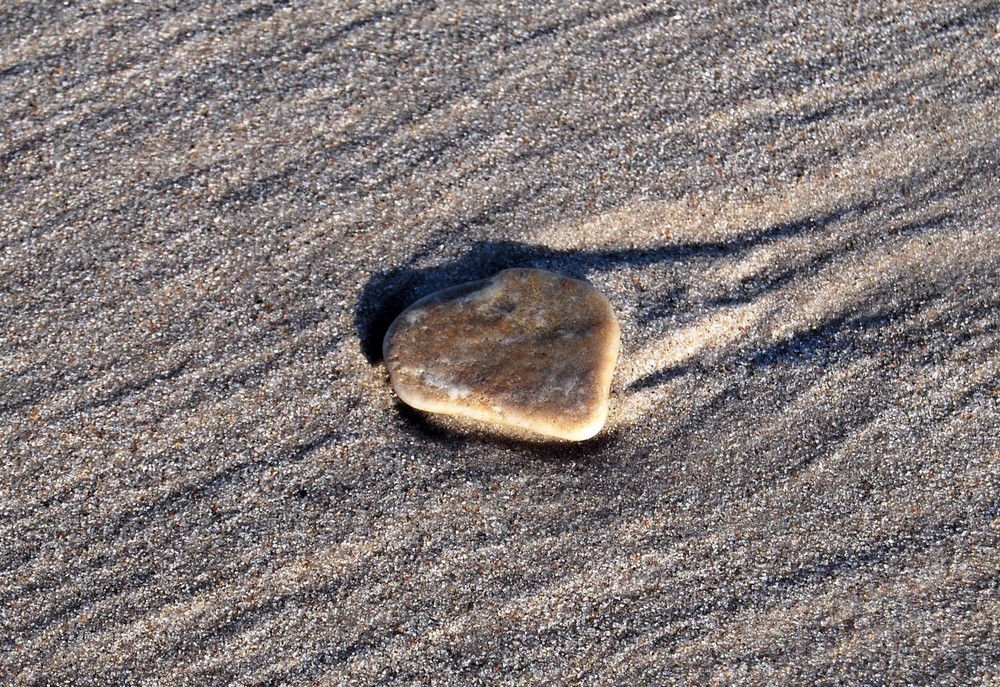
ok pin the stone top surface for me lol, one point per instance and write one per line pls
(525, 348)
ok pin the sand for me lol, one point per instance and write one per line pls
(212, 211)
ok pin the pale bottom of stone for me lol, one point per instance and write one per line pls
(510, 420)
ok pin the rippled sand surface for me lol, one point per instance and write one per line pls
(210, 212)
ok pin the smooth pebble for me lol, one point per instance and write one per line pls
(526, 348)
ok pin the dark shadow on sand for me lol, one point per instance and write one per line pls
(387, 294)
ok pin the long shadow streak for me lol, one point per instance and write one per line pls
(387, 294)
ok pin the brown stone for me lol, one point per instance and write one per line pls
(525, 348)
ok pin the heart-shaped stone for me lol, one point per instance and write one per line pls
(525, 348)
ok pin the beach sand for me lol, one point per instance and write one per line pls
(210, 213)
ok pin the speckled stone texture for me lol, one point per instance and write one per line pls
(211, 211)
(525, 348)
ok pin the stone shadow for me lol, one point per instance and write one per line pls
(847, 335)
(388, 293)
